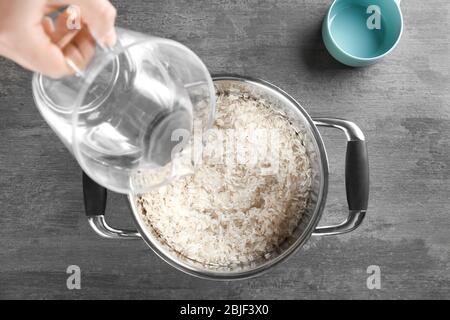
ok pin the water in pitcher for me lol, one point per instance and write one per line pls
(118, 116)
(132, 130)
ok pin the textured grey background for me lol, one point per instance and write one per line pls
(402, 104)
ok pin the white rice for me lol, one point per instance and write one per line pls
(230, 213)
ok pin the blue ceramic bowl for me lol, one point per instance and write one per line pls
(352, 35)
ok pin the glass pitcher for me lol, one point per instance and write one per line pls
(133, 116)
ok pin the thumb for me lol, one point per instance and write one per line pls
(36, 51)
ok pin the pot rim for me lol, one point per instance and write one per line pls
(306, 234)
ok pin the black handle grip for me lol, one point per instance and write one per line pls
(94, 197)
(357, 175)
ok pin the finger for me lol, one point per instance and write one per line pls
(99, 15)
(44, 56)
(49, 26)
(81, 50)
(58, 31)
(78, 46)
(85, 43)
(64, 34)
(74, 57)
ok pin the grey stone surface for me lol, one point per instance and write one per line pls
(402, 104)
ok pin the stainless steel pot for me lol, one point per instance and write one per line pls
(356, 180)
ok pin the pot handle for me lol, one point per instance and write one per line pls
(356, 176)
(95, 206)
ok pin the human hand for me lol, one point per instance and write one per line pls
(36, 42)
